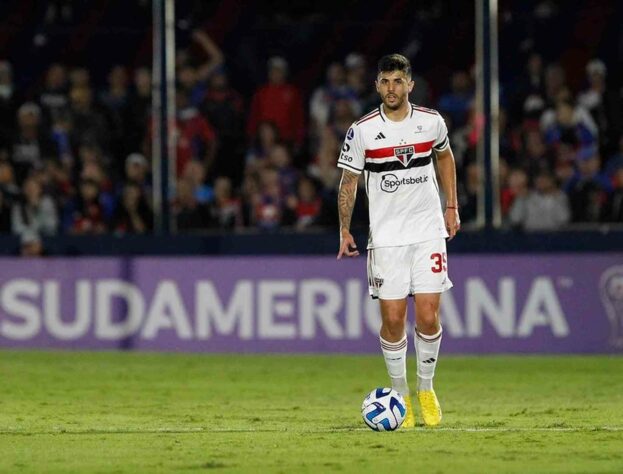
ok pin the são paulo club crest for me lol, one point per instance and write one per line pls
(404, 154)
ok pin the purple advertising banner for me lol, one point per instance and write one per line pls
(499, 303)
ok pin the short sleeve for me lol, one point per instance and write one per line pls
(441, 141)
(352, 156)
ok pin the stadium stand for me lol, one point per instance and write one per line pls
(258, 133)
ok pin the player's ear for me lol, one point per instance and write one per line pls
(376, 84)
(411, 84)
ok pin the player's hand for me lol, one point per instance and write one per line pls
(453, 222)
(348, 246)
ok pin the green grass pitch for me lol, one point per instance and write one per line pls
(141, 412)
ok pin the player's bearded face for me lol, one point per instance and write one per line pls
(394, 88)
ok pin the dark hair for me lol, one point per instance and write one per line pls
(395, 62)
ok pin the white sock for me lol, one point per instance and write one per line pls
(395, 354)
(427, 349)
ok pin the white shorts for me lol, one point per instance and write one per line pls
(397, 272)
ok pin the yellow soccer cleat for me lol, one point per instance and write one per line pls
(431, 411)
(409, 421)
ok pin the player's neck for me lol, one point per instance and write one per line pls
(399, 114)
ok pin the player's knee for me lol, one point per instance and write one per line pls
(428, 319)
(395, 325)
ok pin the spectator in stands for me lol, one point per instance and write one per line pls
(249, 190)
(188, 82)
(535, 157)
(603, 103)
(84, 214)
(323, 168)
(306, 205)
(35, 214)
(30, 146)
(568, 129)
(61, 135)
(613, 212)
(194, 80)
(8, 186)
(457, 102)
(280, 102)
(115, 100)
(516, 186)
(90, 152)
(137, 172)
(190, 215)
(54, 97)
(196, 139)
(323, 98)
(195, 173)
(8, 103)
(93, 171)
(57, 182)
(225, 210)
(115, 97)
(357, 76)
(580, 114)
(89, 123)
(266, 137)
(588, 188)
(529, 98)
(138, 111)
(223, 106)
(133, 214)
(555, 81)
(268, 204)
(421, 93)
(544, 208)
(465, 139)
(342, 115)
(469, 189)
(281, 161)
(79, 77)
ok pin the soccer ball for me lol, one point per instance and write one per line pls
(383, 409)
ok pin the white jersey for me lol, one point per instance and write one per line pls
(400, 181)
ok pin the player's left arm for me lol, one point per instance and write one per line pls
(447, 174)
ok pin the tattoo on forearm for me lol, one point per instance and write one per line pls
(346, 198)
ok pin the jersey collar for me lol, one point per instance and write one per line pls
(393, 123)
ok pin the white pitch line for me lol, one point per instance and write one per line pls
(497, 429)
(522, 429)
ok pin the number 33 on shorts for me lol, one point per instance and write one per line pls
(396, 272)
(440, 261)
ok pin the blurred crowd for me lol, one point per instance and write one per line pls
(76, 159)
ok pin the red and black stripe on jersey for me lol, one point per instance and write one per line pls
(397, 165)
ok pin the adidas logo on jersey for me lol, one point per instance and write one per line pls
(380, 136)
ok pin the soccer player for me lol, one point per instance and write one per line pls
(393, 145)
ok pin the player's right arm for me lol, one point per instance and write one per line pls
(351, 160)
(345, 204)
